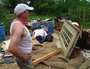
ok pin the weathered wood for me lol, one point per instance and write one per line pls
(84, 18)
(49, 67)
(79, 12)
(46, 57)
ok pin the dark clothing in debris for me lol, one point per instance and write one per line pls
(49, 38)
(56, 19)
(29, 27)
(84, 42)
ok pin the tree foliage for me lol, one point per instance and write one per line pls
(1, 12)
(12, 3)
(44, 6)
(53, 7)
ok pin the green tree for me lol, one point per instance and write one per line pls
(44, 6)
(1, 12)
(12, 3)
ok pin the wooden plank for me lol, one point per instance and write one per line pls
(46, 57)
(84, 18)
(49, 67)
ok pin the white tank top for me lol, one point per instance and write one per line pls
(25, 44)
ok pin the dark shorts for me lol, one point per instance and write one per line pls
(25, 64)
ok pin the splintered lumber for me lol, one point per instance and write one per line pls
(49, 67)
(46, 57)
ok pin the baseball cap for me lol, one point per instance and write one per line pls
(21, 8)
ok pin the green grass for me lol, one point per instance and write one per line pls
(12, 15)
(86, 25)
(43, 17)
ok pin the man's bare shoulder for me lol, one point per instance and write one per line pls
(18, 25)
(18, 28)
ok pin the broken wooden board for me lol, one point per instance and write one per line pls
(45, 57)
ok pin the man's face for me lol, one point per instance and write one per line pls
(27, 14)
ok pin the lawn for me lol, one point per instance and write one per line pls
(86, 25)
(33, 16)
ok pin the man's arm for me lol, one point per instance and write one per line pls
(17, 32)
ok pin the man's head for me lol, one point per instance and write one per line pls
(21, 8)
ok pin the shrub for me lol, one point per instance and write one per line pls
(1, 13)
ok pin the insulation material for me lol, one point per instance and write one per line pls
(57, 61)
(5, 45)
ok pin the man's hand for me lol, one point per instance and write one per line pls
(26, 56)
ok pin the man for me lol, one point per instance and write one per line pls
(21, 42)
